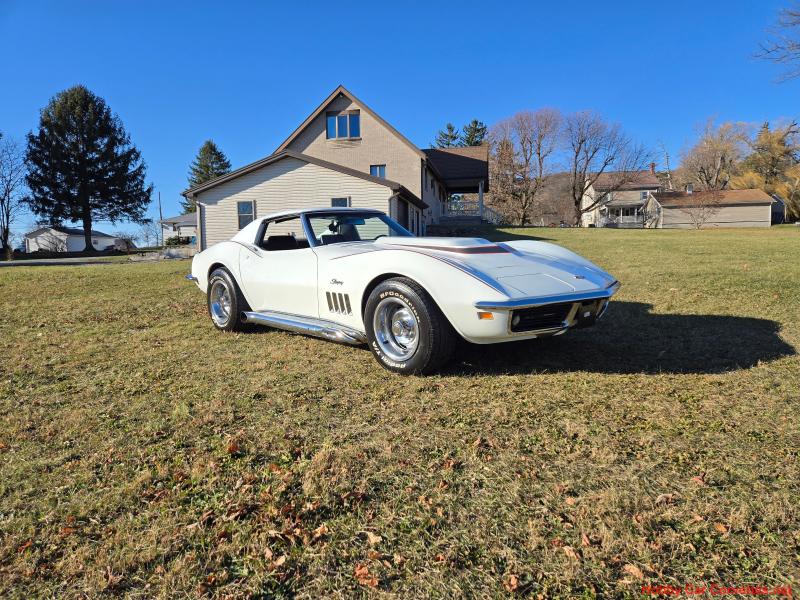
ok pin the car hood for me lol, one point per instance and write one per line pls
(519, 269)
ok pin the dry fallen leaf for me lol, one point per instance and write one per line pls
(571, 553)
(633, 571)
(585, 541)
(320, 531)
(373, 539)
(233, 447)
(570, 500)
(511, 583)
(111, 579)
(279, 561)
(700, 479)
(25, 546)
(364, 577)
(440, 558)
(721, 527)
(665, 499)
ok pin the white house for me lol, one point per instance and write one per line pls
(180, 226)
(618, 199)
(343, 154)
(66, 239)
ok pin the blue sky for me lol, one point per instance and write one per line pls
(247, 73)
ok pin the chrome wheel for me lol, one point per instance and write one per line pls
(396, 329)
(220, 303)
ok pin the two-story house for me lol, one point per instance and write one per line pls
(342, 154)
(618, 199)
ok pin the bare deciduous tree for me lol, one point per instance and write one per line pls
(12, 181)
(595, 147)
(711, 162)
(783, 47)
(150, 234)
(125, 240)
(523, 146)
(702, 207)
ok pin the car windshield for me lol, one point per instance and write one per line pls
(338, 227)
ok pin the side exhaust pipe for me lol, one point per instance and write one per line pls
(308, 326)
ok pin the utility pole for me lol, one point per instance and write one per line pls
(669, 170)
(160, 218)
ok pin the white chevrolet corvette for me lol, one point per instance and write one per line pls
(356, 276)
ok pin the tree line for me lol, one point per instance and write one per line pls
(532, 152)
(543, 161)
(81, 166)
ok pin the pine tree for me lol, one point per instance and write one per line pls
(473, 133)
(82, 165)
(209, 164)
(447, 137)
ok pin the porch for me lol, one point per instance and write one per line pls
(464, 173)
(623, 216)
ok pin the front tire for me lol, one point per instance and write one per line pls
(225, 301)
(407, 332)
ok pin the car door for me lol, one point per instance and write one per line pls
(280, 272)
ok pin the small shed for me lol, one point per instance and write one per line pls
(725, 208)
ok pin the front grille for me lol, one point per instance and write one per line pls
(540, 317)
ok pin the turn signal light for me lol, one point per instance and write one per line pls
(485, 316)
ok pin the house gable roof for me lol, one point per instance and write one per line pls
(181, 220)
(643, 180)
(726, 197)
(272, 158)
(342, 91)
(66, 230)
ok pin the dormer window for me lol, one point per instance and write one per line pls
(344, 125)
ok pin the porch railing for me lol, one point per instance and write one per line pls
(471, 208)
(611, 221)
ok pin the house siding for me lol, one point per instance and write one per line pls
(378, 145)
(620, 197)
(283, 185)
(740, 215)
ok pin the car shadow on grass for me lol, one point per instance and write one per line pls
(631, 339)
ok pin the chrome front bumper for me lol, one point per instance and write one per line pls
(586, 308)
(534, 301)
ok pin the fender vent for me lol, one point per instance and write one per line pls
(339, 303)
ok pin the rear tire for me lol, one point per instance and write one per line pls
(225, 301)
(407, 332)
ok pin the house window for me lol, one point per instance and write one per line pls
(340, 202)
(245, 212)
(644, 196)
(343, 125)
(378, 171)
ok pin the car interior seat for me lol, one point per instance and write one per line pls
(280, 242)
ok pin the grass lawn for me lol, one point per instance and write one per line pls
(144, 453)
